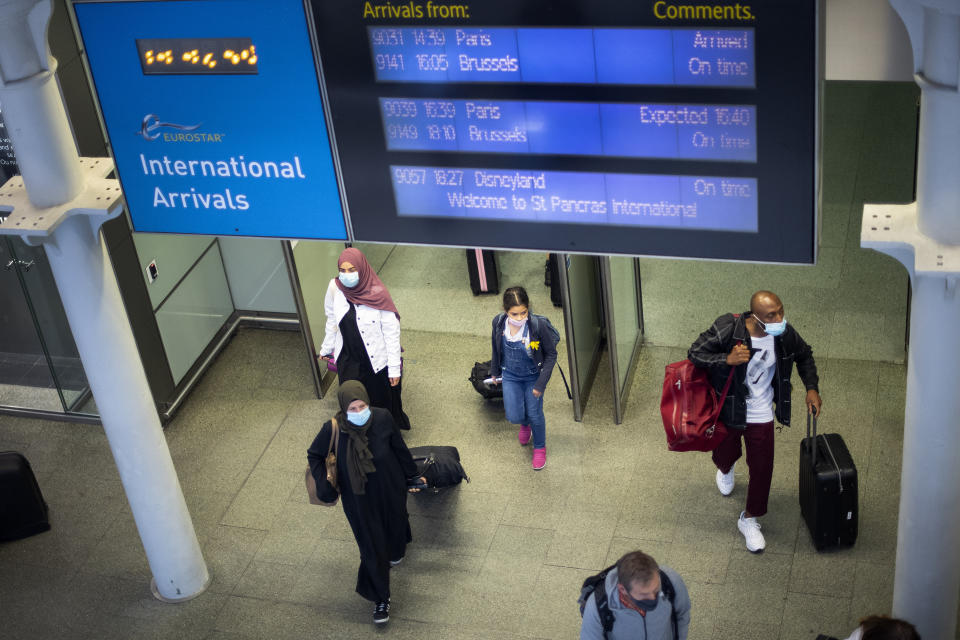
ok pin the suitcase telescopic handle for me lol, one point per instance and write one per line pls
(812, 441)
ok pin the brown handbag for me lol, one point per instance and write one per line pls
(330, 462)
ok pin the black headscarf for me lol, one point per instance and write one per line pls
(359, 459)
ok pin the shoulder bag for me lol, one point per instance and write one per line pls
(330, 462)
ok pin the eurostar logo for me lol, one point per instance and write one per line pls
(149, 128)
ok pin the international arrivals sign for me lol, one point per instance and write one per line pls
(232, 168)
(215, 118)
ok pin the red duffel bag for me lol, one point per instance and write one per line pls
(690, 408)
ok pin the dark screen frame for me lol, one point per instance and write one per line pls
(788, 77)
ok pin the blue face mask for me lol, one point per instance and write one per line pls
(773, 328)
(360, 417)
(350, 279)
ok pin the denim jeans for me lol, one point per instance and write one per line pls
(522, 408)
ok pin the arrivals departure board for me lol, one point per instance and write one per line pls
(645, 127)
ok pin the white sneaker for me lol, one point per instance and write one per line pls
(725, 481)
(750, 529)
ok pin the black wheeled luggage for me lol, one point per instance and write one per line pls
(556, 292)
(23, 511)
(828, 489)
(479, 373)
(439, 465)
(484, 272)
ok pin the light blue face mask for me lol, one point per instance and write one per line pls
(349, 279)
(360, 417)
(773, 328)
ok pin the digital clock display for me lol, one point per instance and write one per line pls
(196, 56)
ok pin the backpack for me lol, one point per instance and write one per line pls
(556, 338)
(552, 329)
(596, 585)
(497, 392)
(545, 320)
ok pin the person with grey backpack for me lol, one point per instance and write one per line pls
(635, 599)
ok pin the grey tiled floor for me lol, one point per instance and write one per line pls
(503, 556)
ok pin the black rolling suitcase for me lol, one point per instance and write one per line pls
(556, 293)
(828, 489)
(484, 272)
(479, 373)
(439, 465)
(23, 512)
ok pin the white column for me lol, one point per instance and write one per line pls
(35, 117)
(49, 164)
(938, 152)
(925, 236)
(91, 298)
(927, 576)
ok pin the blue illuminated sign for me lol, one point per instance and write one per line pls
(214, 115)
(670, 131)
(690, 202)
(678, 56)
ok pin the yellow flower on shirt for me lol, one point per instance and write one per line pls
(535, 345)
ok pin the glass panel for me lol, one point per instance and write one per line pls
(25, 378)
(174, 255)
(626, 322)
(377, 254)
(587, 317)
(316, 265)
(193, 314)
(51, 320)
(257, 274)
(8, 161)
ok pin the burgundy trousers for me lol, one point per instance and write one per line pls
(759, 442)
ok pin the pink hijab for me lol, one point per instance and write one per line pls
(370, 290)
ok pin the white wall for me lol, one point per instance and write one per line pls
(866, 40)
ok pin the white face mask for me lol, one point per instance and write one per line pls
(772, 328)
(350, 279)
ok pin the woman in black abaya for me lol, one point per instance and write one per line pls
(374, 469)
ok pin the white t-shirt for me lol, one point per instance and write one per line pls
(760, 371)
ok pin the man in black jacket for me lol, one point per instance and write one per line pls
(761, 340)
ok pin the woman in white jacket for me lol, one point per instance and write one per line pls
(363, 333)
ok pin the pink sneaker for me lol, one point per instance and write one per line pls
(524, 434)
(539, 459)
